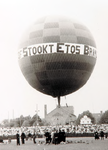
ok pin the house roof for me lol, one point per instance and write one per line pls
(63, 110)
(62, 114)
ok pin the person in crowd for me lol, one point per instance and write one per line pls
(34, 138)
(59, 136)
(62, 136)
(23, 136)
(48, 137)
(96, 135)
(102, 134)
(106, 135)
(52, 136)
(18, 138)
(29, 135)
(56, 137)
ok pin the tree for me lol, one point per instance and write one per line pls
(21, 120)
(88, 114)
(11, 124)
(17, 122)
(26, 123)
(5, 121)
(27, 117)
(35, 120)
(104, 118)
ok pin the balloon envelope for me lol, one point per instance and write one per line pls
(57, 55)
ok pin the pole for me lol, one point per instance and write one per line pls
(37, 113)
(8, 117)
(13, 115)
(59, 101)
(36, 116)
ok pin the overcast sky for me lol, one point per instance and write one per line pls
(16, 95)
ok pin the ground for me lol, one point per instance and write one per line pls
(72, 144)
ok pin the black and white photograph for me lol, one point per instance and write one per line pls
(54, 75)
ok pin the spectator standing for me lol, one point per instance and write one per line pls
(102, 134)
(106, 135)
(23, 137)
(52, 136)
(96, 135)
(30, 135)
(56, 138)
(63, 136)
(18, 138)
(34, 138)
(48, 137)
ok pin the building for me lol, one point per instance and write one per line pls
(61, 116)
(85, 120)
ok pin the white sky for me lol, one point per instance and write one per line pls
(15, 93)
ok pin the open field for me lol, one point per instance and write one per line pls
(73, 144)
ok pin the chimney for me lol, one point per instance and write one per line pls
(45, 111)
(101, 112)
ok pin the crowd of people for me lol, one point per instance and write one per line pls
(54, 137)
(100, 134)
(53, 134)
(67, 128)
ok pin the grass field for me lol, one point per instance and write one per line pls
(72, 144)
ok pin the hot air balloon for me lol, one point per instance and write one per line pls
(57, 55)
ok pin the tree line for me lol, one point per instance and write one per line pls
(36, 120)
(23, 121)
